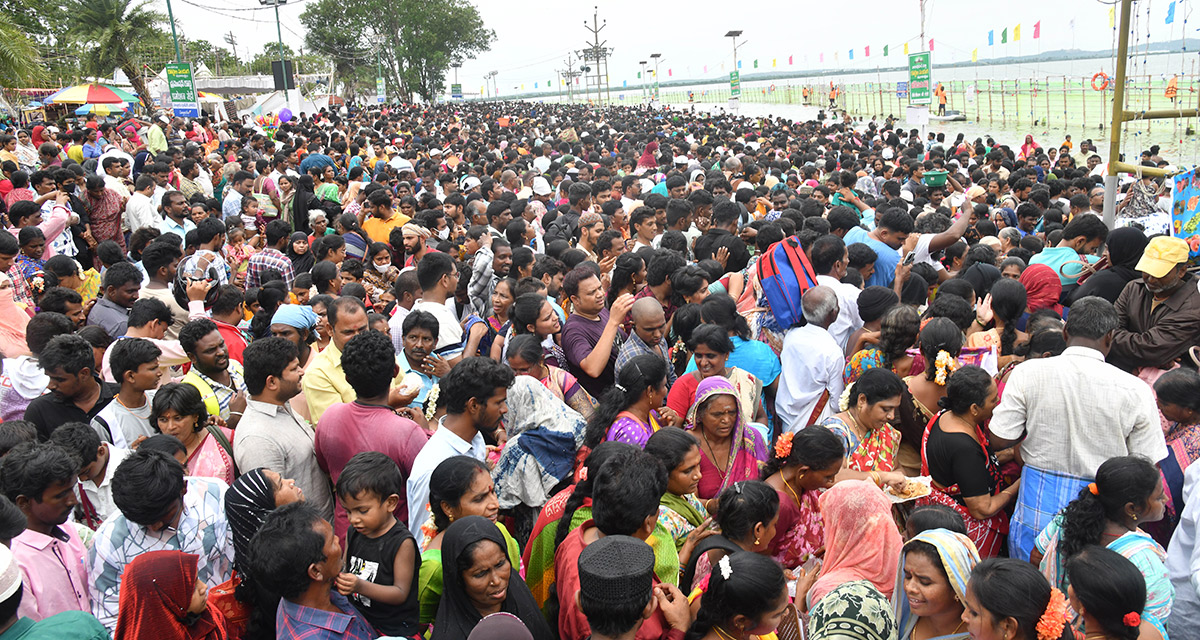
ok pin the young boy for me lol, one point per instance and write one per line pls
(135, 364)
(617, 590)
(99, 460)
(382, 563)
(40, 480)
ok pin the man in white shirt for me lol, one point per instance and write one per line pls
(140, 210)
(1183, 556)
(1071, 413)
(813, 363)
(476, 392)
(100, 460)
(116, 170)
(829, 259)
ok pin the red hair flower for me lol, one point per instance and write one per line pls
(783, 446)
(1051, 625)
(1132, 619)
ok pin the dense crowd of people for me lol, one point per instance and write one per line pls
(556, 372)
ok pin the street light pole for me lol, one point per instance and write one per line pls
(655, 57)
(733, 100)
(174, 36)
(643, 63)
(279, 34)
(734, 35)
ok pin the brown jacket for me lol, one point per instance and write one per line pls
(1155, 337)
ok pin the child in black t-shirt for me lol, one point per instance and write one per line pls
(382, 563)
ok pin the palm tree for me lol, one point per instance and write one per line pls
(109, 32)
(20, 61)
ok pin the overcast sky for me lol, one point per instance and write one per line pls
(532, 43)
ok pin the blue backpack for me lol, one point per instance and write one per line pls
(785, 274)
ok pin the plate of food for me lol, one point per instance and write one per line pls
(917, 487)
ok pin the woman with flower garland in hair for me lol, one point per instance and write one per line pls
(746, 598)
(1008, 599)
(966, 475)
(747, 514)
(940, 341)
(1128, 491)
(1109, 594)
(898, 331)
(867, 408)
(802, 465)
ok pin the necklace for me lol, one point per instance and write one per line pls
(787, 485)
(858, 430)
(956, 630)
(712, 454)
(723, 634)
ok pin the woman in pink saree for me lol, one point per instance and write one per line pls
(179, 410)
(1028, 149)
(730, 450)
(861, 539)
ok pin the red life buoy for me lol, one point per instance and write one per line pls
(1103, 77)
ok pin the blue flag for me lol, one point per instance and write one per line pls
(1171, 12)
(852, 54)
(991, 38)
(739, 64)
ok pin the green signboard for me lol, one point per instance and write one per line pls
(456, 91)
(380, 94)
(182, 88)
(920, 89)
(735, 84)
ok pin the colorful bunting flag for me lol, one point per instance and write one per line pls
(773, 61)
(1017, 32)
(1112, 17)
(756, 63)
(739, 64)
(1037, 29)
(852, 54)
(1004, 36)
(1171, 12)
(789, 60)
(639, 75)
(867, 51)
(822, 58)
(885, 51)
(535, 85)
(905, 48)
(624, 83)
(670, 72)
(991, 38)
(931, 44)
(974, 55)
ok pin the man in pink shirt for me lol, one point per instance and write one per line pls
(40, 479)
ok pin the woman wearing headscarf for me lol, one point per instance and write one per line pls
(1028, 148)
(1043, 288)
(1123, 249)
(730, 450)
(300, 253)
(479, 580)
(931, 585)
(853, 610)
(161, 597)
(298, 323)
(861, 540)
(27, 154)
(647, 162)
(13, 320)
(248, 501)
(981, 276)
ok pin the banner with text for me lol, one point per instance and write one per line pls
(920, 91)
(184, 101)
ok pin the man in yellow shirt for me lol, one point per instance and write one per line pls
(324, 381)
(381, 218)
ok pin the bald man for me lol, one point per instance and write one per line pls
(812, 364)
(647, 337)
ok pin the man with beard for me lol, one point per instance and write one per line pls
(270, 434)
(476, 391)
(218, 379)
(415, 246)
(1159, 316)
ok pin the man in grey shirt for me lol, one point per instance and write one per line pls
(270, 434)
(122, 282)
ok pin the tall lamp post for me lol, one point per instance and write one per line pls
(733, 100)
(643, 63)
(655, 57)
(279, 33)
(734, 35)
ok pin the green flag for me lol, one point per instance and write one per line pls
(1004, 36)
(639, 74)
(756, 63)
(885, 50)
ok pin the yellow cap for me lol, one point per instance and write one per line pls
(1161, 255)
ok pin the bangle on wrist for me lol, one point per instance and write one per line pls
(980, 322)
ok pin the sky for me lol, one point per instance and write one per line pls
(531, 45)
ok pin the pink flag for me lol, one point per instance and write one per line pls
(867, 51)
(931, 44)
(822, 57)
(789, 59)
(669, 72)
(1037, 29)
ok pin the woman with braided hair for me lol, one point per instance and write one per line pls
(801, 466)
(940, 342)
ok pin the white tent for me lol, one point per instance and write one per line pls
(274, 102)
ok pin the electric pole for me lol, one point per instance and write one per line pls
(570, 74)
(231, 40)
(598, 54)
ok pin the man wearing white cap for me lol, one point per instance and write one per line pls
(1160, 314)
(542, 190)
(68, 625)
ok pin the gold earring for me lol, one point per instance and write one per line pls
(451, 518)
(757, 541)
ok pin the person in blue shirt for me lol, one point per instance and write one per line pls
(1080, 240)
(885, 240)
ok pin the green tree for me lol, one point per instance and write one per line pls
(107, 29)
(20, 60)
(218, 59)
(416, 40)
(261, 63)
(326, 34)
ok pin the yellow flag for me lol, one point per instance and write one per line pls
(1016, 33)
(974, 55)
(1112, 17)
(905, 48)
(773, 60)
(522, 86)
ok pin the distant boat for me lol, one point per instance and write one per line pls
(951, 116)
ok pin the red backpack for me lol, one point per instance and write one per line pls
(785, 274)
